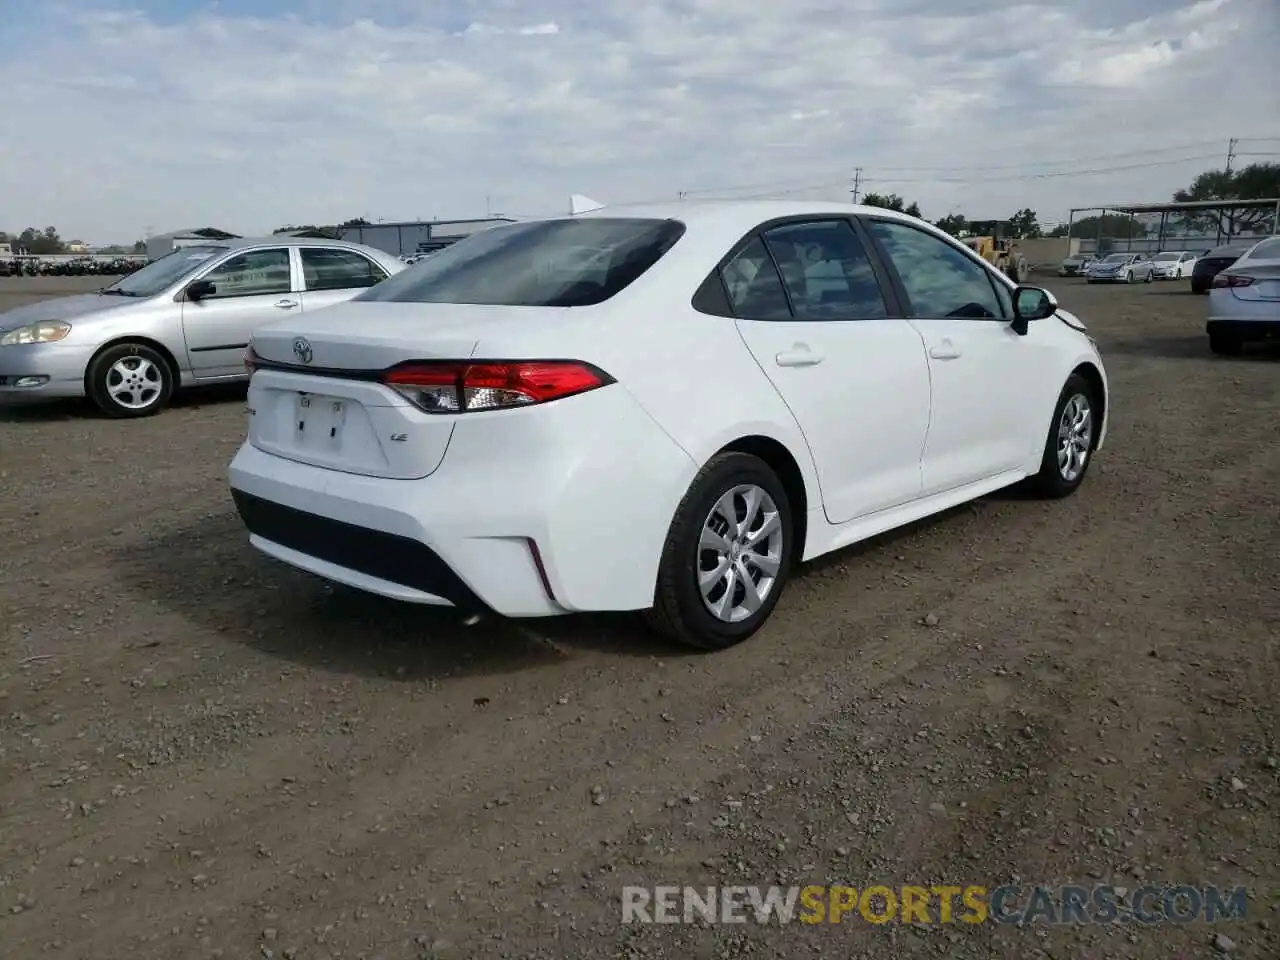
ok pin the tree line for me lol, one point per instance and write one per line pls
(1257, 181)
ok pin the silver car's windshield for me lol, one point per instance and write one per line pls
(161, 273)
(1118, 258)
(1166, 257)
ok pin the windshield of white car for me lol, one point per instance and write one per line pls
(162, 273)
(1166, 257)
(1118, 258)
(545, 263)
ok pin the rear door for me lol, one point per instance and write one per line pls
(335, 274)
(252, 288)
(988, 383)
(814, 312)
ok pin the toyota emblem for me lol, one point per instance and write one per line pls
(302, 350)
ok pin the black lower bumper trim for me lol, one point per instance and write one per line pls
(387, 556)
(1244, 330)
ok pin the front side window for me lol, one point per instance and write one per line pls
(253, 273)
(547, 263)
(324, 268)
(827, 273)
(940, 280)
(163, 272)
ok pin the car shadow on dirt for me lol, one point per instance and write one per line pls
(1189, 347)
(53, 410)
(209, 575)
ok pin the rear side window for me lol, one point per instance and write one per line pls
(754, 287)
(325, 268)
(826, 271)
(549, 263)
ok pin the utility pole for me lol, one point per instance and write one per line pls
(857, 183)
(1231, 153)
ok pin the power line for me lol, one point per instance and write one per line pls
(1057, 173)
(799, 182)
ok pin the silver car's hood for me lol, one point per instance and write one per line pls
(62, 308)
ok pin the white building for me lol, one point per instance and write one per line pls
(416, 236)
(168, 242)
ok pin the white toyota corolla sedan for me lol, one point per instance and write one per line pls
(658, 408)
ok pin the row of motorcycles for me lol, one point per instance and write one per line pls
(80, 267)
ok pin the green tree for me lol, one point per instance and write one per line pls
(140, 247)
(1257, 181)
(891, 201)
(1024, 225)
(1115, 225)
(41, 242)
(952, 223)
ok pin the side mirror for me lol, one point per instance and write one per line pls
(198, 290)
(1031, 303)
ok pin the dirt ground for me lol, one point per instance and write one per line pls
(204, 753)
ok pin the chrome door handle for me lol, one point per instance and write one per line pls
(286, 304)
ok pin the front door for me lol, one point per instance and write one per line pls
(251, 289)
(816, 318)
(984, 376)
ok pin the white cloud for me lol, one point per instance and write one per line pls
(116, 119)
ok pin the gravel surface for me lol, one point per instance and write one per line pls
(204, 753)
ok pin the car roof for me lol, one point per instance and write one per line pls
(240, 243)
(742, 215)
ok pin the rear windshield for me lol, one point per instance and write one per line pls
(544, 263)
(1267, 250)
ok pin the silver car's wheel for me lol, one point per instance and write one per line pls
(1075, 437)
(739, 553)
(130, 380)
(134, 382)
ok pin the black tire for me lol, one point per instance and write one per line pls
(155, 384)
(1050, 482)
(678, 609)
(1226, 344)
(1150, 276)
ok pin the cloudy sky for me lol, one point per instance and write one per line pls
(119, 116)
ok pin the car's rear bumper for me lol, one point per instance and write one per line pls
(1242, 329)
(500, 526)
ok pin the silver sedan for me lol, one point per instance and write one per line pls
(182, 320)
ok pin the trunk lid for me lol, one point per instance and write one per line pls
(329, 408)
(1265, 286)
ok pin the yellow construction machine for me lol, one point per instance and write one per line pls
(996, 247)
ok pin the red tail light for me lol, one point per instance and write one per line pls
(462, 387)
(1231, 280)
(250, 360)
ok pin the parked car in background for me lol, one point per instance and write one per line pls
(528, 423)
(1121, 268)
(1244, 304)
(1076, 266)
(182, 320)
(1173, 264)
(1211, 263)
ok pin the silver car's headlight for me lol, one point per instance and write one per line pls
(50, 331)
